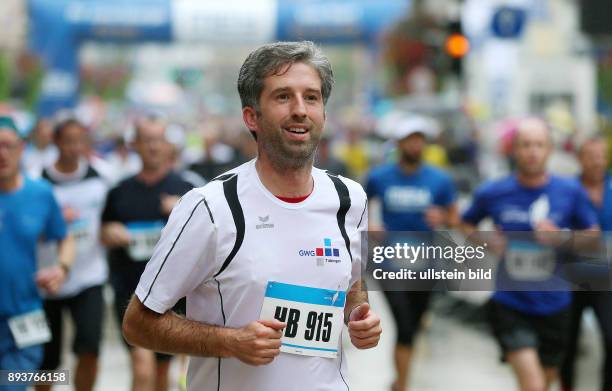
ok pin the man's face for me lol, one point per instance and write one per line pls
(11, 148)
(44, 132)
(291, 117)
(532, 148)
(151, 145)
(594, 158)
(411, 148)
(71, 143)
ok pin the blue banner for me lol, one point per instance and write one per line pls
(337, 21)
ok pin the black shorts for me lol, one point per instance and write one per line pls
(515, 330)
(87, 312)
(124, 280)
(407, 308)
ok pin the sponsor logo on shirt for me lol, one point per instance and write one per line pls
(514, 216)
(407, 198)
(264, 222)
(325, 254)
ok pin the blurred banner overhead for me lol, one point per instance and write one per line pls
(59, 27)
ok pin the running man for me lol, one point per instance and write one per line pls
(81, 192)
(414, 196)
(268, 255)
(531, 326)
(28, 211)
(593, 157)
(134, 214)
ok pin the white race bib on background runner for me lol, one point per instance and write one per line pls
(80, 231)
(143, 239)
(529, 261)
(30, 329)
(314, 318)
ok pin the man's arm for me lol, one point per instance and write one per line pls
(355, 297)
(114, 234)
(363, 323)
(52, 278)
(442, 216)
(257, 343)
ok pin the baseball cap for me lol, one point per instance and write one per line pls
(412, 124)
(8, 123)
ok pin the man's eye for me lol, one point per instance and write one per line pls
(312, 97)
(282, 97)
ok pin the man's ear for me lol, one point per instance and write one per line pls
(249, 116)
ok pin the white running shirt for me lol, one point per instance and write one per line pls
(85, 192)
(222, 258)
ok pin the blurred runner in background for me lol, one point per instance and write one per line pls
(531, 327)
(28, 211)
(593, 156)
(415, 196)
(81, 192)
(136, 210)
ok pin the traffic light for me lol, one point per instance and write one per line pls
(456, 47)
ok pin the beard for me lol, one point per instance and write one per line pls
(284, 153)
(410, 159)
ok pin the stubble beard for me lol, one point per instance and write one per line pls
(410, 159)
(285, 154)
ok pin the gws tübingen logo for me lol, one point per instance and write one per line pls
(325, 254)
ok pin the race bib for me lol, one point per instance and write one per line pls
(529, 261)
(143, 238)
(314, 318)
(30, 329)
(81, 233)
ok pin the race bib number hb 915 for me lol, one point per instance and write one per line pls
(314, 318)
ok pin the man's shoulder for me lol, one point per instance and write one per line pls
(495, 187)
(354, 188)
(383, 170)
(37, 185)
(435, 173)
(569, 183)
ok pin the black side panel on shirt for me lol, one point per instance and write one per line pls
(230, 189)
(345, 205)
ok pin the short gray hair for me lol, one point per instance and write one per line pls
(271, 58)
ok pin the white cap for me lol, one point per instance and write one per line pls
(412, 124)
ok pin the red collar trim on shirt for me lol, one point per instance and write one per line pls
(293, 200)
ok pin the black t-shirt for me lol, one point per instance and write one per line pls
(138, 206)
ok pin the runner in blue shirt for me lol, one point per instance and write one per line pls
(414, 196)
(531, 326)
(593, 156)
(28, 211)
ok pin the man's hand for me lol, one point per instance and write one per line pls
(435, 217)
(548, 233)
(364, 327)
(167, 203)
(257, 343)
(115, 235)
(70, 214)
(51, 278)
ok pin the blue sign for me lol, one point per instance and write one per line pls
(336, 21)
(508, 22)
(58, 27)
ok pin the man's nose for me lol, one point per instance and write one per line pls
(298, 109)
